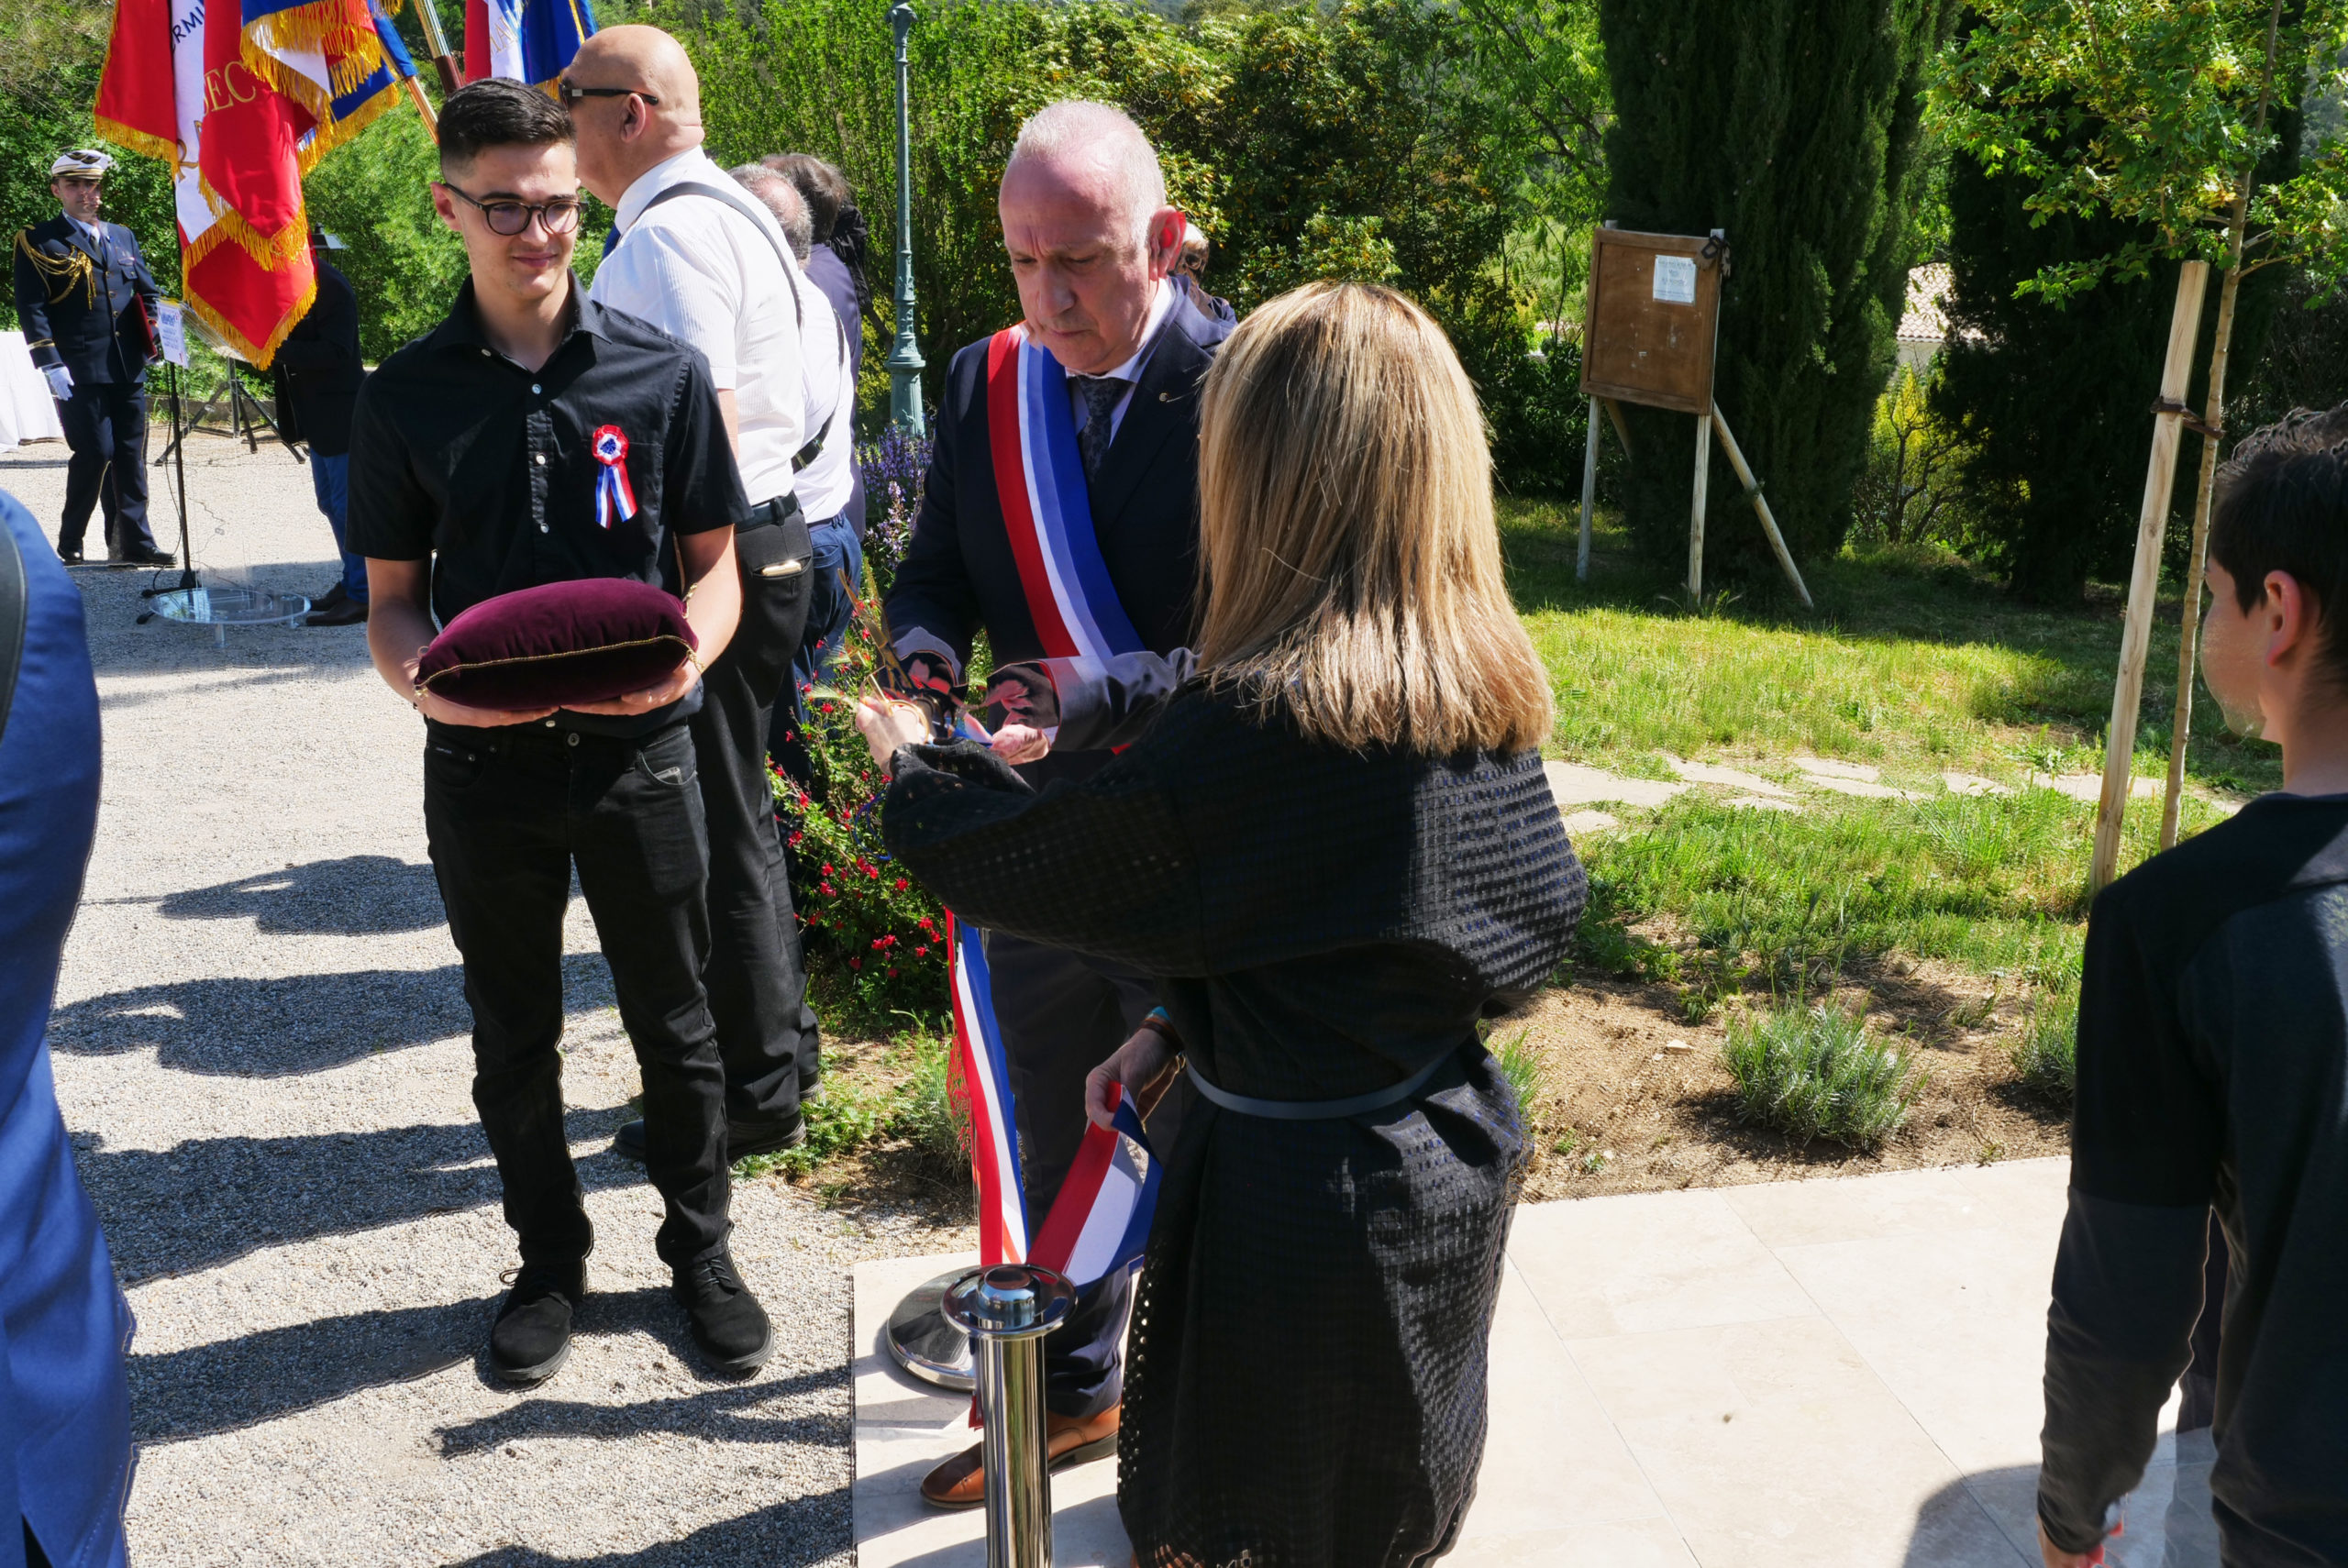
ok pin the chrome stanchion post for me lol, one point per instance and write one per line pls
(1006, 1312)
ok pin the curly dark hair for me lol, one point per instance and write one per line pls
(496, 112)
(2283, 506)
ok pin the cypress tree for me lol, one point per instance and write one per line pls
(1794, 125)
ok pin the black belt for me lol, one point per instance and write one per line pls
(768, 514)
(1317, 1110)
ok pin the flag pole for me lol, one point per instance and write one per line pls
(428, 16)
(424, 104)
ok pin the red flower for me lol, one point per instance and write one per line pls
(825, 888)
(920, 952)
(855, 963)
(902, 886)
(892, 974)
(828, 870)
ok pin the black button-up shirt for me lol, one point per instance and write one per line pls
(461, 455)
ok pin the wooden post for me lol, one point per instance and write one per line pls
(2160, 476)
(1589, 489)
(1696, 513)
(1761, 506)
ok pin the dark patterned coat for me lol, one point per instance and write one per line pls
(1307, 1384)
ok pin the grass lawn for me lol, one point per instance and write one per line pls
(1954, 921)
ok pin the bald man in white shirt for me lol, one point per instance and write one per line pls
(693, 255)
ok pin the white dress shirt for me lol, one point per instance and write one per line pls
(709, 273)
(826, 481)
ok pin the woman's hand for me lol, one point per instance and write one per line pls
(628, 704)
(1143, 1067)
(1016, 744)
(889, 723)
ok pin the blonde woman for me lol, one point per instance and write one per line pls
(1336, 849)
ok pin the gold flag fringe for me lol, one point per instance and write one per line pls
(339, 30)
(260, 354)
(132, 140)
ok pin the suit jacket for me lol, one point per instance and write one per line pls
(64, 1406)
(319, 370)
(959, 575)
(80, 309)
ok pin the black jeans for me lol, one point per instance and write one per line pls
(105, 429)
(508, 813)
(1062, 1016)
(767, 1034)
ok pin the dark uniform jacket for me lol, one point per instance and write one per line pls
(958, 574)
(80, 308)
(318, 369)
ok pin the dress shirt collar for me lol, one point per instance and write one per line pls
(691, 164)
(463, 329)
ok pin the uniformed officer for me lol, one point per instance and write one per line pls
(86, 301)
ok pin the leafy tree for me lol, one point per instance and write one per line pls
(1795, 128)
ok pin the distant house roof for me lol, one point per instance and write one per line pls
(1924, 321)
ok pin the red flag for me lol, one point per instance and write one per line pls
(250, 172)
(138, 105)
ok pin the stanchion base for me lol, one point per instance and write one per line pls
(928, 1346)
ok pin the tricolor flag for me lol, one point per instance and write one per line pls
(1099, 1221)
(528, 40)
(243, 99)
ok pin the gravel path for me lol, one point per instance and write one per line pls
(260, 1048)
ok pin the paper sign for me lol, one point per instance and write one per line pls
(171, 331)
(1675, 279)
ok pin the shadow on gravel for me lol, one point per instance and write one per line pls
(261, 1377)
(357, 895)
(795, 1533)
(737, 1412)
(210, 1200)
(304, 1024)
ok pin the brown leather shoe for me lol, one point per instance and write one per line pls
(960, 1483)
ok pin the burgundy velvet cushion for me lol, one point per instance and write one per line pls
(558, 645)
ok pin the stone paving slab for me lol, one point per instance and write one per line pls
(1814, 1374)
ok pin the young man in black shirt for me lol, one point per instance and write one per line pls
(2213, 1072)
(473, 476)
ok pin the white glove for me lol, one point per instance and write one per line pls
(61, 382)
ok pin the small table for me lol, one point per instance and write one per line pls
(27, 411)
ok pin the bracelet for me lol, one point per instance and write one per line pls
(1158, 1024)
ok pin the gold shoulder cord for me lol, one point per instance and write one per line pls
(63, 273)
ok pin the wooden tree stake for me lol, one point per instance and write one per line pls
(1761, 506)
(2160, 476)
(1588, 488)
(1696, 513)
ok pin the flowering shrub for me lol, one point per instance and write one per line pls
(875, 939)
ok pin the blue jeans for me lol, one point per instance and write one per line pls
(330, 479)
(830, 605)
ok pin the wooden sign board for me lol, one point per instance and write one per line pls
(1653, 318)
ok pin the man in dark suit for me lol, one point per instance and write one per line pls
(85, 299)
(1091, 242)
(318, 373)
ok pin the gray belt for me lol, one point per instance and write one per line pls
(1316, 1109)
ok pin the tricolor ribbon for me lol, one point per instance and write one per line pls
(1046, 511)
(1099, 1221)
(615, 498)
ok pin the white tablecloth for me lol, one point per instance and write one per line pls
(27, 411)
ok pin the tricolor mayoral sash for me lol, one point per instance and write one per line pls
(1100, 1220)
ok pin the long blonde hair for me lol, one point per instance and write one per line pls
(1348, 563)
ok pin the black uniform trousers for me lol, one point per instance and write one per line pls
(767, 1034)
(508, 813)
(1061, 1016)
(105, 429)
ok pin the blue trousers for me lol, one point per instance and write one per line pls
(330, 480)
(830, 604)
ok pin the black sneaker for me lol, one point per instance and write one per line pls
(743, 1138)
(726, 1321)
(140, 555)
(531, 1338)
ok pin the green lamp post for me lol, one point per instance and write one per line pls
(905, 360)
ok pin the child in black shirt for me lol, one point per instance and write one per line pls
(2213, 1072)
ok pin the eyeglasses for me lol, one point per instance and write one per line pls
(509, 219)
(570, 94)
